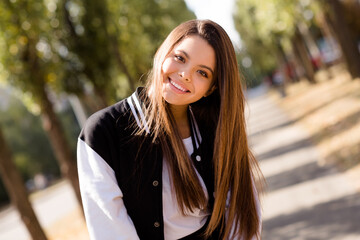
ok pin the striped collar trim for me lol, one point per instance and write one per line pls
(137, 111)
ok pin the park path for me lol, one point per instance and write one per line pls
(303, 200)
(50, 205)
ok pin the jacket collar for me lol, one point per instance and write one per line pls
(137, 110)
(136, 103)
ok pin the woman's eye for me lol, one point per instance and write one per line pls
(180, 58)
(204, 74)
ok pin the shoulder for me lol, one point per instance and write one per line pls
(100, 130)
(106, 124)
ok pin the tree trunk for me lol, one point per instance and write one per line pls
(17, 191)
(64, 156)
(294, 66)
(310, 43)
(284, 63)
(301, 51)
(347, 43)
(327, 30)
(328, 34)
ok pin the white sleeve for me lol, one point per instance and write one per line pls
(105, 212)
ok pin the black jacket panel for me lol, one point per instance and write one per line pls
(137, 163)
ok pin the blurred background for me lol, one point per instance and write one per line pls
(62, 60)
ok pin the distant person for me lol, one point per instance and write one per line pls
(279, 82)
(172, 160)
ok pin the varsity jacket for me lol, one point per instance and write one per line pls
(137, 163)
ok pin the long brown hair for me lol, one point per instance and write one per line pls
(234, 165)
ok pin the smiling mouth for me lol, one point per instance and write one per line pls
(177, 86)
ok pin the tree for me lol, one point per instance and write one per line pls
(251, 31)
(29, 60)
(17, 191)
(270, 29)
(111, 43)
(347, 43)
(140, 27)
(85, 35)
(301, 52)
(30, 158)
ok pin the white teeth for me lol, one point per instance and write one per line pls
(177, 86)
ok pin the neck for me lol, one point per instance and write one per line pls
(181, 119)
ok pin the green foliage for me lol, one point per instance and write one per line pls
(27, 47)
(86, 46)
(112, 42)
(72, 43)
(143, 25)
(29, 144)
(267, 26)
(27, 140)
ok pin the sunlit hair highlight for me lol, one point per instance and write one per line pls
(234, 165)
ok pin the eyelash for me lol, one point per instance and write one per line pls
(204, 74)
(181, 59)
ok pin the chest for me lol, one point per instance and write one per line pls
(139, 172)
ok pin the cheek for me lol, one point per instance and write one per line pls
(203, 85)
(166, 66)
(169, 66)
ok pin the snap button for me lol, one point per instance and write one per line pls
(198, 158)
(156, 224)
(155, 183)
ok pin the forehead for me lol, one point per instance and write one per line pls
(198, 50)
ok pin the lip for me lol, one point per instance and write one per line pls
(177, 87)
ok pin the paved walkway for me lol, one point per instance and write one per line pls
(50, 205)
(303, 200)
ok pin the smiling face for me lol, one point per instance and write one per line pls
(188, 71)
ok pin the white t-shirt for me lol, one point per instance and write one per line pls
(177, 225)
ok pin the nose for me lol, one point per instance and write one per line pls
(185, 76)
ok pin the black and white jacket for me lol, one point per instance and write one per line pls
(120, 173)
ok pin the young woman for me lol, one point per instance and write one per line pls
(172, 161)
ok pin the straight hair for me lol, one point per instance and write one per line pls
(235, 167)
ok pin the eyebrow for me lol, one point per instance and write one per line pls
(203, 66)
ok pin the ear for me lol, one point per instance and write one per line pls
(210, 91)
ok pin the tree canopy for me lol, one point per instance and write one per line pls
(266, 26)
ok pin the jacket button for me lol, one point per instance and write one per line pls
(198, 158)
(155, 183)
(156, 224)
